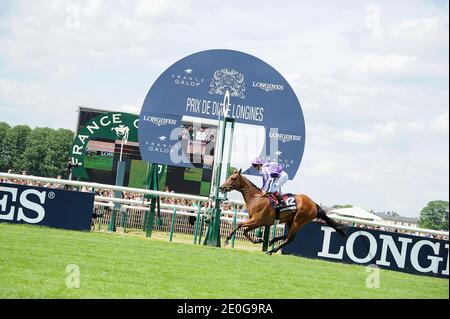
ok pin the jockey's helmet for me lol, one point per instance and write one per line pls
(257, 161)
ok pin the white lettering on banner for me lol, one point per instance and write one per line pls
(372, 248)
(433, 267)
(4, 202)
(92, 126)
(328, 231)
(388, 242)
(83, 138)
(116, 118)
(136, 123)
(26, 203)
(76, 162)
(159, 121)
(102, 121)
(268, 87)
(445, 272)
(77, 150)
(285, 137)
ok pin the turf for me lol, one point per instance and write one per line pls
(104, 163)
(33, 263)
(193, 174)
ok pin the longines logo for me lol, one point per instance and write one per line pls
(24, 202)
(285, 137)
(268, 87)
(187, 79)
(228, 80)
(379, 244)
(159, 121)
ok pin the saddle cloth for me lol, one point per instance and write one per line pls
(288, 198)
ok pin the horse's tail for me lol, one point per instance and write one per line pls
(340, 228)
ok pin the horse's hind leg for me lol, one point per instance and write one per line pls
(277, 239)
(290, 236)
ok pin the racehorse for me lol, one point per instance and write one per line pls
(262, 213)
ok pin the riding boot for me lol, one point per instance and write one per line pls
(280, 199)
(281, 204)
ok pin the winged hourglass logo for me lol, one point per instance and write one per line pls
(230, 80)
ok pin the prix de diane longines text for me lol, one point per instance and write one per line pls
(237, 111)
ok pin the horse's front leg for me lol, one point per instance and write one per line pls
(249, 229)
(233, 232)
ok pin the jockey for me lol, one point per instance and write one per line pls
(273, 178)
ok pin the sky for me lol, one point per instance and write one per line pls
(372, 78)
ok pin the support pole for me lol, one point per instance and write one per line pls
(120, 177)
(234, 226)
(226, 123)
(155, 201)
(112, 221)
(274, 232)
(201, 230)
(172, 224)
(266, 238)
(197, 221)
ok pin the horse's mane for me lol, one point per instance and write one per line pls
(250, 182)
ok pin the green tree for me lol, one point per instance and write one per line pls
(58, 153)
(37, 147)
(4, 128)
(13, 147)
(434, 215)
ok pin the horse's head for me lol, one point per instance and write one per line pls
(233, 182)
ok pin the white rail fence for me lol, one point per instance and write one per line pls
(136, 209)
(185, 217)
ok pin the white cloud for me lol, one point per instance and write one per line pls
(351, 136)
(440, 123)
(130, 109)
(384, 63)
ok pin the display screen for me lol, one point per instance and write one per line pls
(102, 156)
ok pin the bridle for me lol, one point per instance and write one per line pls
(231, 186)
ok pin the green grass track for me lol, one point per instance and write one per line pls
(33, 263)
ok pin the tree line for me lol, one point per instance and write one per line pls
(41, 151)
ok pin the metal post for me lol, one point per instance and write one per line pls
(274, 232)
(112, 221)
(197, 221)
(266, 238)
(100, 221)
(172, 224)
(153, 181)
(201, 230)
(150, 218)
(213, 236)
(144, 222)
(234, 226)
(124, 220)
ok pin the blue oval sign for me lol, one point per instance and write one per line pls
(192, 90)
